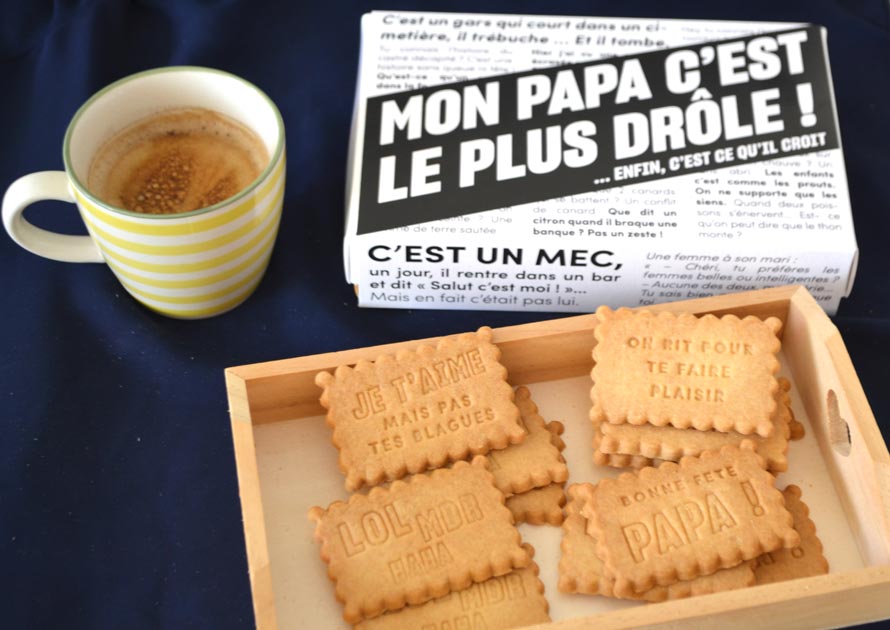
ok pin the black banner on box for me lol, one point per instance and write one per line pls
(501, 141)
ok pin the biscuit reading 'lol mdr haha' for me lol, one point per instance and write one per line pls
(420, 409)
(685, 371)
(582, 571)
(508, 601)
(417, 540)
(679, 521)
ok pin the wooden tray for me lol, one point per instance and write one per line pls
(286, 463)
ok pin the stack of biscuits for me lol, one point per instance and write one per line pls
(668, 386)
(710, 523)
(701, 392)
(454, 458)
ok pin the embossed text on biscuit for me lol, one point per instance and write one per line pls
(420, 409)
(704, 372)
(675, 523)
(511, 600)
(417, 540)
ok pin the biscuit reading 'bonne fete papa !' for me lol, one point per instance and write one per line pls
(679, 521)
(417, 540)
(419, 409)
(582, 571)
(685, 371)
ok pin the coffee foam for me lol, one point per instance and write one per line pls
(176, 161)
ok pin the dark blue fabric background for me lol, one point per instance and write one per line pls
(118, 496)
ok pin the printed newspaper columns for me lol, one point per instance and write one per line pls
(512, 162)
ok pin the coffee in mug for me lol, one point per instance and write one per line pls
(178, 174)
(176, 161)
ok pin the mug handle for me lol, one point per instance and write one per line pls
(37, 187)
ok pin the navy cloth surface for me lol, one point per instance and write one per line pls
(118, 494)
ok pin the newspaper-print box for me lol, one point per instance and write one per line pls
(515, 162)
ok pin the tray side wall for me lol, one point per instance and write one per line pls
(859, 465)
(258, 558)
(826, 601)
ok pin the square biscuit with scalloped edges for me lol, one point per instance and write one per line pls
(544, 505)
(804, 560)
(420, 409)
(617, 460)
(669, 443)
(680, 521)
(685, 371)
(417, 539)
(582, 571)
(540, 506)
(533, 463)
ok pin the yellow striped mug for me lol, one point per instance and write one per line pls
(188, 265)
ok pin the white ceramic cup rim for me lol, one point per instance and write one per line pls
(275, 150)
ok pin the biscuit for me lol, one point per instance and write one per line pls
(582, 571)
(556, 429)
(417, 540)
(671, 444)
(580, 568)
(803, 561)
(420, 409)
(616, 460)
(797, 429)
(508, 601)
(540, 506)
(679, 521)
(535, 462)
(685, 371)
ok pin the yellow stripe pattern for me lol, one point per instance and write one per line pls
(190, 267)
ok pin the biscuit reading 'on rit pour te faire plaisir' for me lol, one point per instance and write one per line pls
(417, 539)
(420, 409)
(676, 522)
(685, 371)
